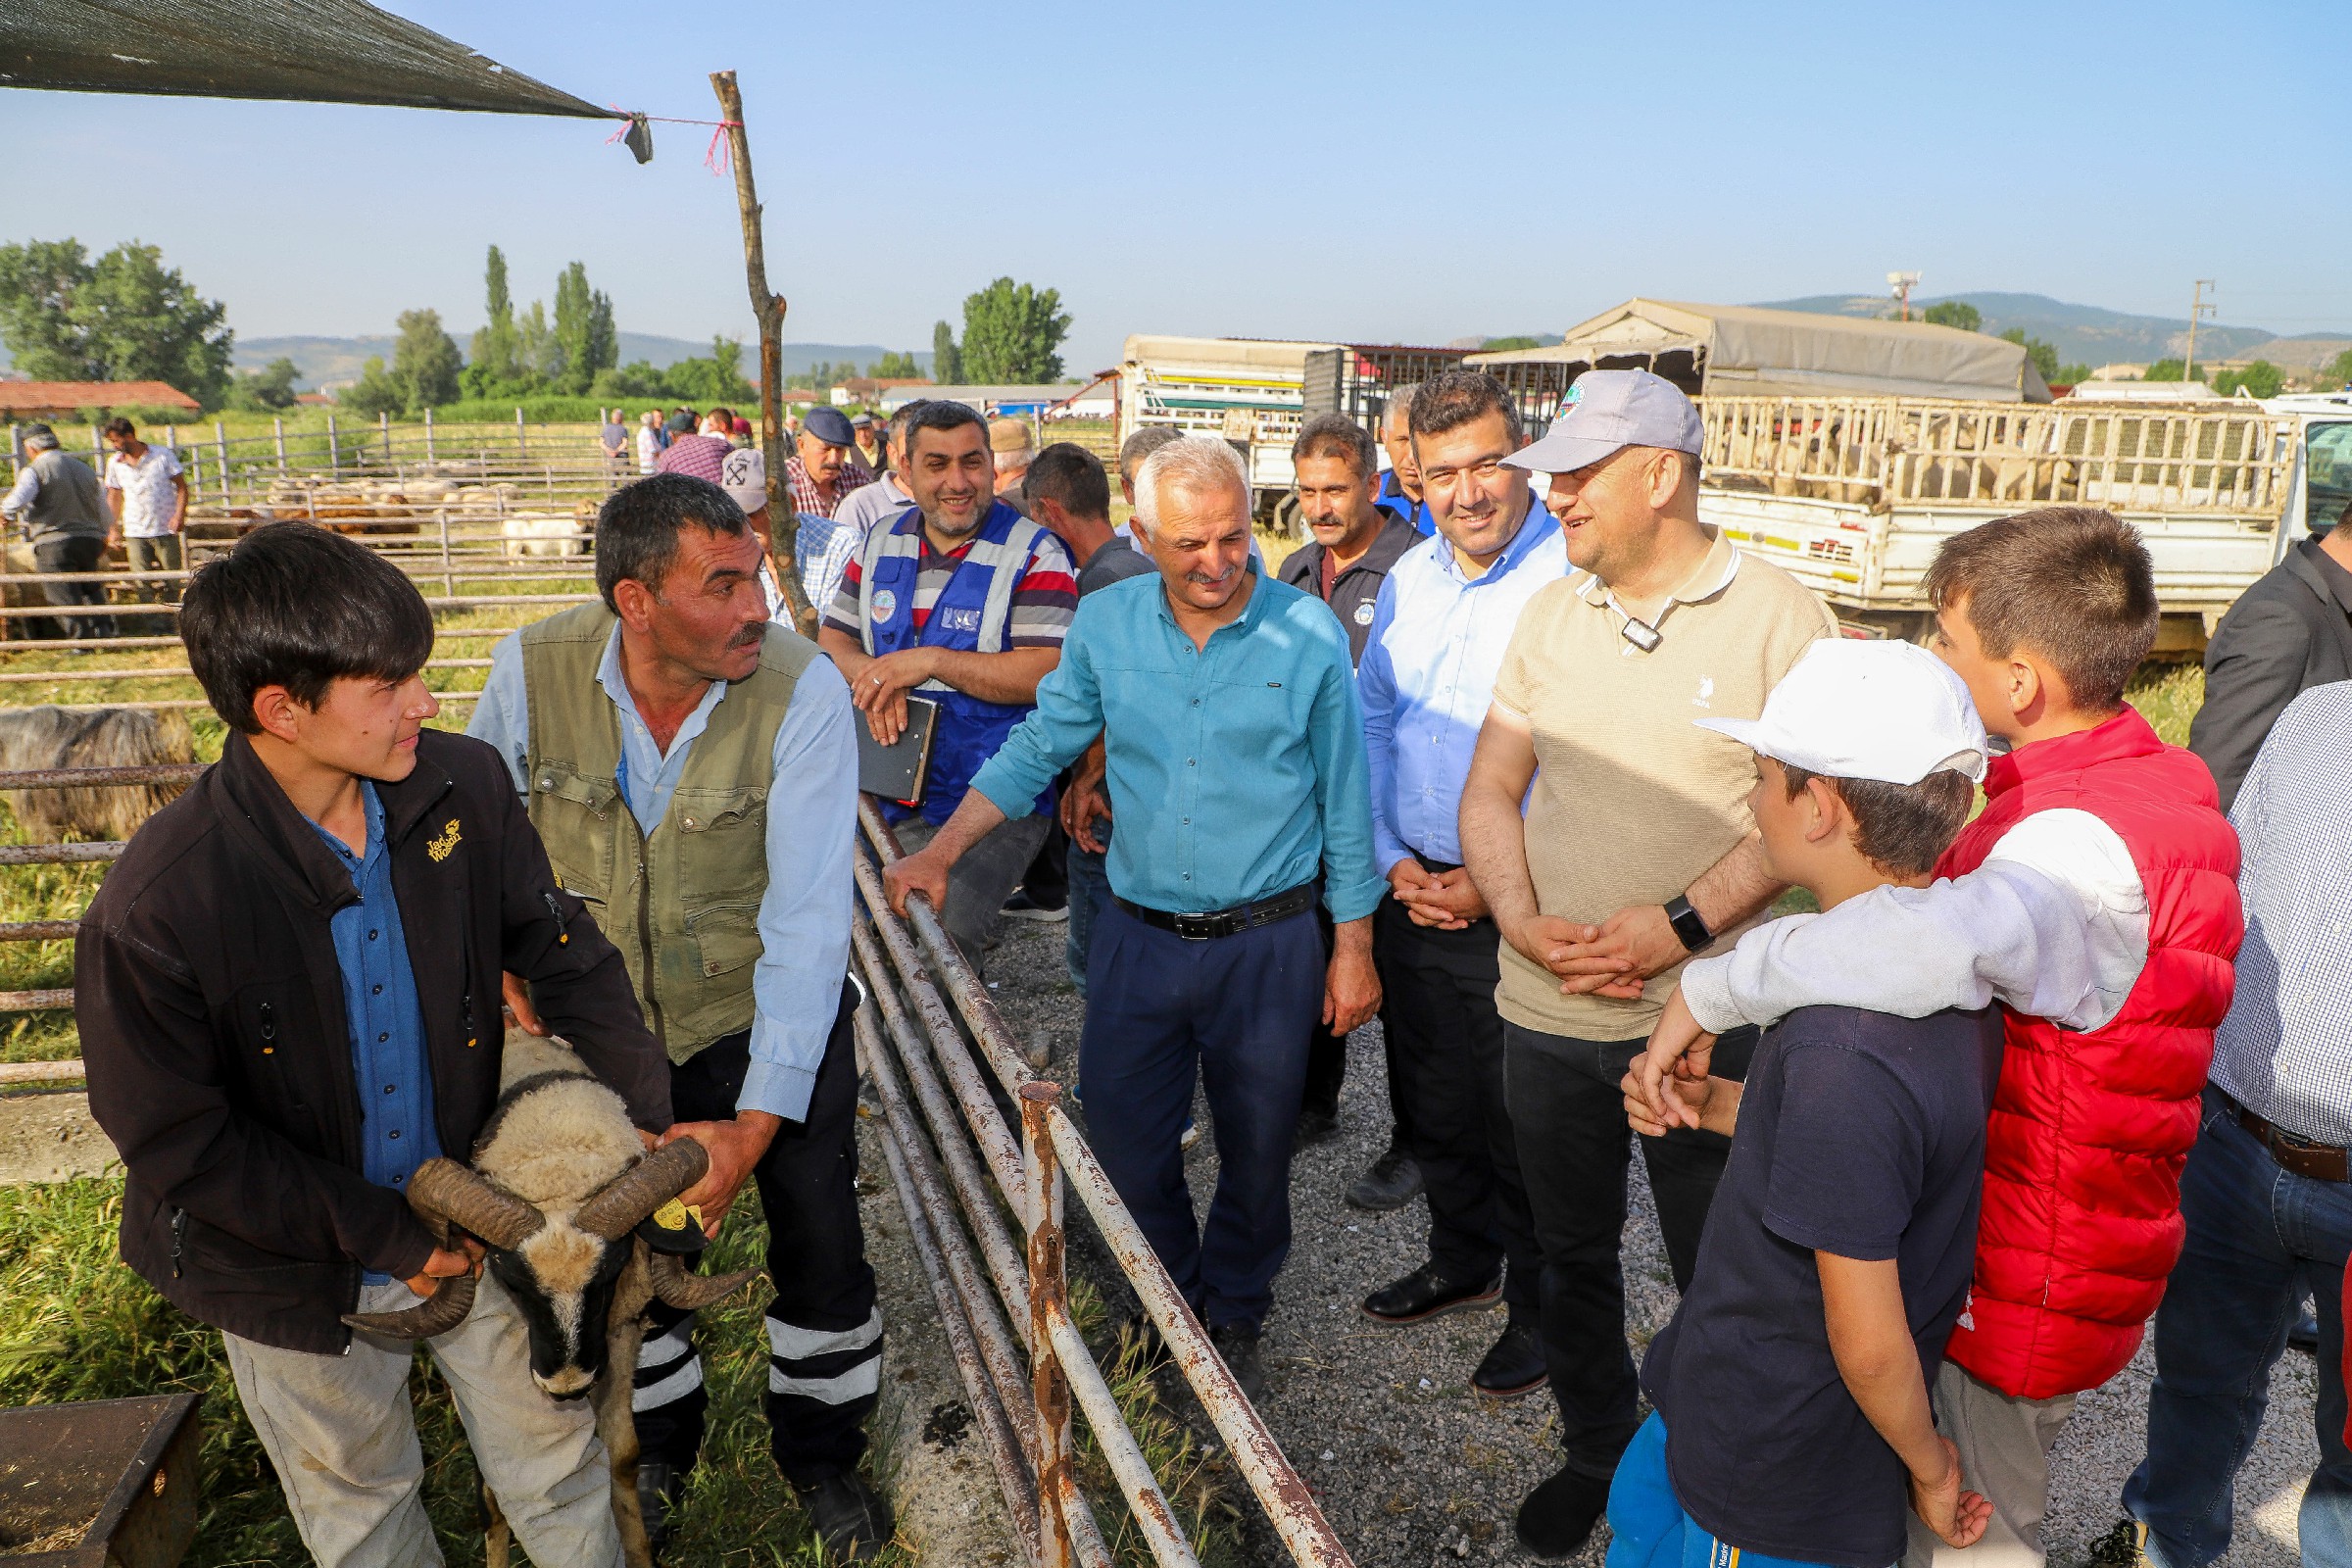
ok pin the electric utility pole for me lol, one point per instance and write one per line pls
(2197, 307)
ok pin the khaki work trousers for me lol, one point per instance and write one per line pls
(2004, 1448)
(342, 1435)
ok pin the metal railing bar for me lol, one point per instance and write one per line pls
(36, 1000)
(1013, 1475)
(953, 1137)
(76, 778)
(40, 1072)
(37, 930)
(176, 672)
(60, 853)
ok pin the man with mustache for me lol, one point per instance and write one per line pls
(1236, 770)
(964, 602)
(691, 767)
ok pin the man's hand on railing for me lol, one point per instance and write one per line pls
(924, 873)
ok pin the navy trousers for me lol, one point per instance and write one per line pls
(1236, 1010)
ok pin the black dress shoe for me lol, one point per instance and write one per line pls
(1392, 1182)
(1515, 1366)
(1559, 1516)
(852, 1520)
(661, 1485)
(1238, 1343)
(1315, 1124)
(1425, 1292)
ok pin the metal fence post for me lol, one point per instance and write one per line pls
(383, 425)
(1048, 1296)
(449, 584)
(519, 446)
(428, 435)
(334, 449)
(278, 423)
(220, 445)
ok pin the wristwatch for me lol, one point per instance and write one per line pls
(1686, 923)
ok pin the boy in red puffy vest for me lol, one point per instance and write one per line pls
(2096, 897)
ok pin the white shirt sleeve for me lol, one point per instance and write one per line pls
(2054, 924)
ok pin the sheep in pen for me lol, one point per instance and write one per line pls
(557, 1187)
(33, 739)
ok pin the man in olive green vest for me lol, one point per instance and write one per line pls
(693, 770)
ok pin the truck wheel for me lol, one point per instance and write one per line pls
(1283, 516)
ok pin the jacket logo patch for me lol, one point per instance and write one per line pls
(959, 619)
(449, 840)
(885, 603)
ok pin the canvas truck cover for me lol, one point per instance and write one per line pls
(1745, 349)
(334, 51)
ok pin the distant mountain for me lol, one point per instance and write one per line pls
(2084, 334)
(340, 358)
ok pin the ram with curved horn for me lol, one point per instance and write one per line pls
(560, 1189)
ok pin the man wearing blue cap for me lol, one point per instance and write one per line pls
(822, 472)
(1636, 850)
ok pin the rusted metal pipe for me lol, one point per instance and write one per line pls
(76, 778)
(1120, 1450)
(924, 994)
(1048, 1290)
(980, 1115)
(1288, 1502)
(973, 1192)
(36, 1001)
(61, 854)
(993, 1339)
(37, 930)
(40, 1072)
(1003, 1448)
(989, 1329)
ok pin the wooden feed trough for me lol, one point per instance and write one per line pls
(106, 1484)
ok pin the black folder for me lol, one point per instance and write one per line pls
(896, 771)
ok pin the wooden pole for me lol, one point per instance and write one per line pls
(428, 435)
(334, 449)
(784, 524)
(220, 445)
(278, 424)
(519, 448)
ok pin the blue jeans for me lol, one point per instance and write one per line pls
(1233, 1011)
(1090, 888)
(2258, 1238)
(1648, 1528)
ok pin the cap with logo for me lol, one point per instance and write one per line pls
(829, 426)
(1850, 709)
(1607, 410)
(743, 476)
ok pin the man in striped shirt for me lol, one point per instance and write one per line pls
(963, 601)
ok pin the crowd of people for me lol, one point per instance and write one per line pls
(1516, 756)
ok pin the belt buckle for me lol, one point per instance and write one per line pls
(1195, 927)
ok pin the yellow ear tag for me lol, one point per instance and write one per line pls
(671, 1216)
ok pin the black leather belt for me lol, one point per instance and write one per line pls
(1227, 922)
(2319, 1162)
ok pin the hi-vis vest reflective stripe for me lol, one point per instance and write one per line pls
(970, 616)
(682, 901)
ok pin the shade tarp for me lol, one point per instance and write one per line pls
(332, 51)
(1746, 348)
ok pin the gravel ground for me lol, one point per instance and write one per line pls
(1414, 1468)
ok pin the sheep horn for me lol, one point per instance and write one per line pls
(437, 1313)
(622, 1203)
(690, 1293)
(443, 1189)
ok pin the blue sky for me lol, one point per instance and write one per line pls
(1368, 172)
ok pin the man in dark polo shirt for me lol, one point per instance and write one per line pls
(1356, 541)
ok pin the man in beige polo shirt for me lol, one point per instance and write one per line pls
(1636, 851)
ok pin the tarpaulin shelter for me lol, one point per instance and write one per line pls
(1746, 348)
(334, 51)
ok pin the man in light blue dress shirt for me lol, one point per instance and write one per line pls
(1235, 761)
(690, 759)
(1439, 630)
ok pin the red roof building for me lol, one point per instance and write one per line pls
(58, 399)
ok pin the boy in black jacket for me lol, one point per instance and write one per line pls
(288, 991)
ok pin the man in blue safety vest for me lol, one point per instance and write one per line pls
(963, 601)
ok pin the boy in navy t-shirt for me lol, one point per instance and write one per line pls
(1791, 1420)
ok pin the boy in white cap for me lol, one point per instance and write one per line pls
(1791, 1420)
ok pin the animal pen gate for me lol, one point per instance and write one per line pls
(959, 1169)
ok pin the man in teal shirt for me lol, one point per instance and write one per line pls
(1227, 707)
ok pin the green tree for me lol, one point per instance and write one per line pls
(2043, 356)
(2260, 379)
(1954, 312)
(266, 390)
(947, 360)
(894, 367)
(604, 338)
(1010, 332)
(2069, 375)
(1505, 345)
(424, 362)
(2338, 371)
(2165, 371)
(374, 393)
(124, 318)
(584, 339)
(496, 365)
(706, 381)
